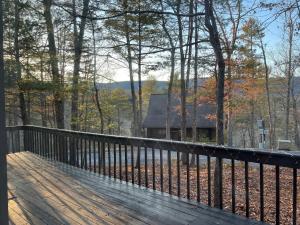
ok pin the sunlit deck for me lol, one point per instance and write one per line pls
(48, 192)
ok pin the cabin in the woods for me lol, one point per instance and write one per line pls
(155, 121)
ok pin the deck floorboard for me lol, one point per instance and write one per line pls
(49, 192)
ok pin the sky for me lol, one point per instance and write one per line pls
(273, 39)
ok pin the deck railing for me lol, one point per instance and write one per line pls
(258, 184)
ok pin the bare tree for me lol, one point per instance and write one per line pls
(78, 44)
(129, 60)
(290, 26)
(229, 42)
(171, 79)
(210, 23)
(98, 104)
(57, 78)
(267, 86)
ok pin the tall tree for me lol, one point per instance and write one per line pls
(78, 43)
(289, 73)
(229, 39)
(58, 80)
(172, 72)
(267, 87)
(214, 37)
(23, 108)
(97, 99)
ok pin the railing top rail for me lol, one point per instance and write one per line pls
(280, 158)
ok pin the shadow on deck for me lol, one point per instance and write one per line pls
(49, 192)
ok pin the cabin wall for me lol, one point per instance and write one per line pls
(203, 134)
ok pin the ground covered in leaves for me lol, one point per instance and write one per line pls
(286, 187)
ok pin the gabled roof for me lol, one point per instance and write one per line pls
(156, 116)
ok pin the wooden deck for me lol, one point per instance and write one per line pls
(47, 192)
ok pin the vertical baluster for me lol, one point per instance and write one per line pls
(12, 141)
(146, 167)
(126, 164)
(209, 180)
(153, 169)
(247, 188)
(90, 153)
(115, 162)
(18, 140)
(85, 154)
(170, 171)
(54, 146)
(178, 173)
(188, 176)
(46, 140)
(132, 164)
(94, 148)
(233, 186)
(161, 170)
(38, 142)
(294, 196)
(65, 139)
(120, 161)
(261, 190)
(51, 146)
(109, 159)
(198, 177)
(25, 145)
(77, 150)
(61, 153)
(32, 141)
(221, 182)
(277, 174)
(57, 147)
(139, 165)
(99, 157)
(81, 153)
(104, 158)
(41, 143)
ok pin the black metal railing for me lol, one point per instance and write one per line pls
(258, 184)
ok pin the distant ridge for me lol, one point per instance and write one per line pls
(160, 85)
(163, 85)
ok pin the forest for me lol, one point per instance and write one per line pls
(65, 59)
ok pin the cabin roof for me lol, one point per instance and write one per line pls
(156, 116)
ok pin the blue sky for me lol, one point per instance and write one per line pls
(274, 32)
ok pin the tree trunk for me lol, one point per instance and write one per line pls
(190, 46)
(43, 97)
(296, 119)
(214, 38)
(194, 115)
(57, 78)
(184, 157)
(172, 73)
(271, 127)
(140, 115)
(129, 60)
(78, 43)
(289, 77)
(98, 104)
(23, 110)
(230, 114)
